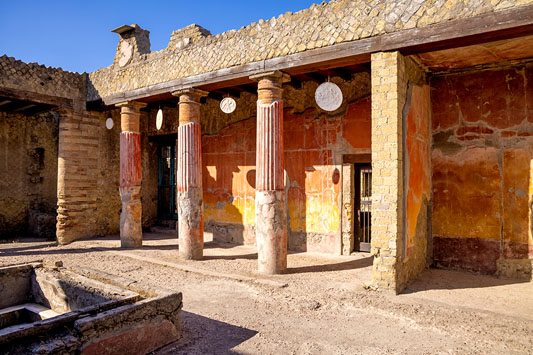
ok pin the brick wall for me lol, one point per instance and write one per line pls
(78, 175)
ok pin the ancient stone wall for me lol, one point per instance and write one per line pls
(482, 183)
(32, 77)
(78, 175)
(389, 86)
(108, 203)
(193, 50)
(28, 174)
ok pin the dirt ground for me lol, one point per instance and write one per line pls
(321, 306)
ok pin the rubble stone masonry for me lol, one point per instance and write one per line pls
(194, 51)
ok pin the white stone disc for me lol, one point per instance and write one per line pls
(109, 123)
(126, 52)
(159, 119)
(228, 105)
(328, 96)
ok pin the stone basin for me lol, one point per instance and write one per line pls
(50, 309)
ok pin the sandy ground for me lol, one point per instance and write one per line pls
(321, 306)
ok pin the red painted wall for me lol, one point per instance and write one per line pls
(314, 144)
(482, 152)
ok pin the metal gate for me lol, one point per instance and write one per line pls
(364, 174)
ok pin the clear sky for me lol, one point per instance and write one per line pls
(75, 35)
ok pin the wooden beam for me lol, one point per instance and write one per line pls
(487, 27)
(25, 107)
(35, 97)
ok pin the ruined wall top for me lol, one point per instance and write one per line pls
(193, 50)
(40, 79)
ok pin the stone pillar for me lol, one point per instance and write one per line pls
(130, 175)
(388, 98)
(270, 208)
(77, 175)
(189, 175)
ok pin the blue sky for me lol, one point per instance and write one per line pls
(75, 35)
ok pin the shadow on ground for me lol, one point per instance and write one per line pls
(348, 265)
(439, 279)
(202, 335)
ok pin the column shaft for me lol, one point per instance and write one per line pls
(270, 208)
(130, 175)
(189, 176)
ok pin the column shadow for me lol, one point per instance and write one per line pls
(202, 335)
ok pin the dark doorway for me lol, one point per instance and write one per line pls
(166, 186)
(363, 206)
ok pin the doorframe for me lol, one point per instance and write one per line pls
(348, 199)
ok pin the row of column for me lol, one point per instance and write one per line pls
(271, 214)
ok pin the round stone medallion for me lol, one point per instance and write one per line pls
(328, 96)
(159, 119)
(109, 123)
(126, 51)
(228, 105)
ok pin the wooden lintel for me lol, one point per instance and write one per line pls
(357, 158)
(486, 27)
(35, 97)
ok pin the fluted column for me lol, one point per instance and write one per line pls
(189, 175)
(270, 208)
(130, 174)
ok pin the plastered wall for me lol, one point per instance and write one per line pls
(482, 152)
(416, 124)
(314, 144)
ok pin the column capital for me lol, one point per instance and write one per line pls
(190, 94)
(272, 75)
(136, 105)
(270, 86)
(130, 114)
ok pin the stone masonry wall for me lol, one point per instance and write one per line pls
(195, 51)
(28, 174)
(388, 81)
(482, 174)
(78, 172)
(32, 77)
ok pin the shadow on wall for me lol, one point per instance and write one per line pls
(221, 215)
